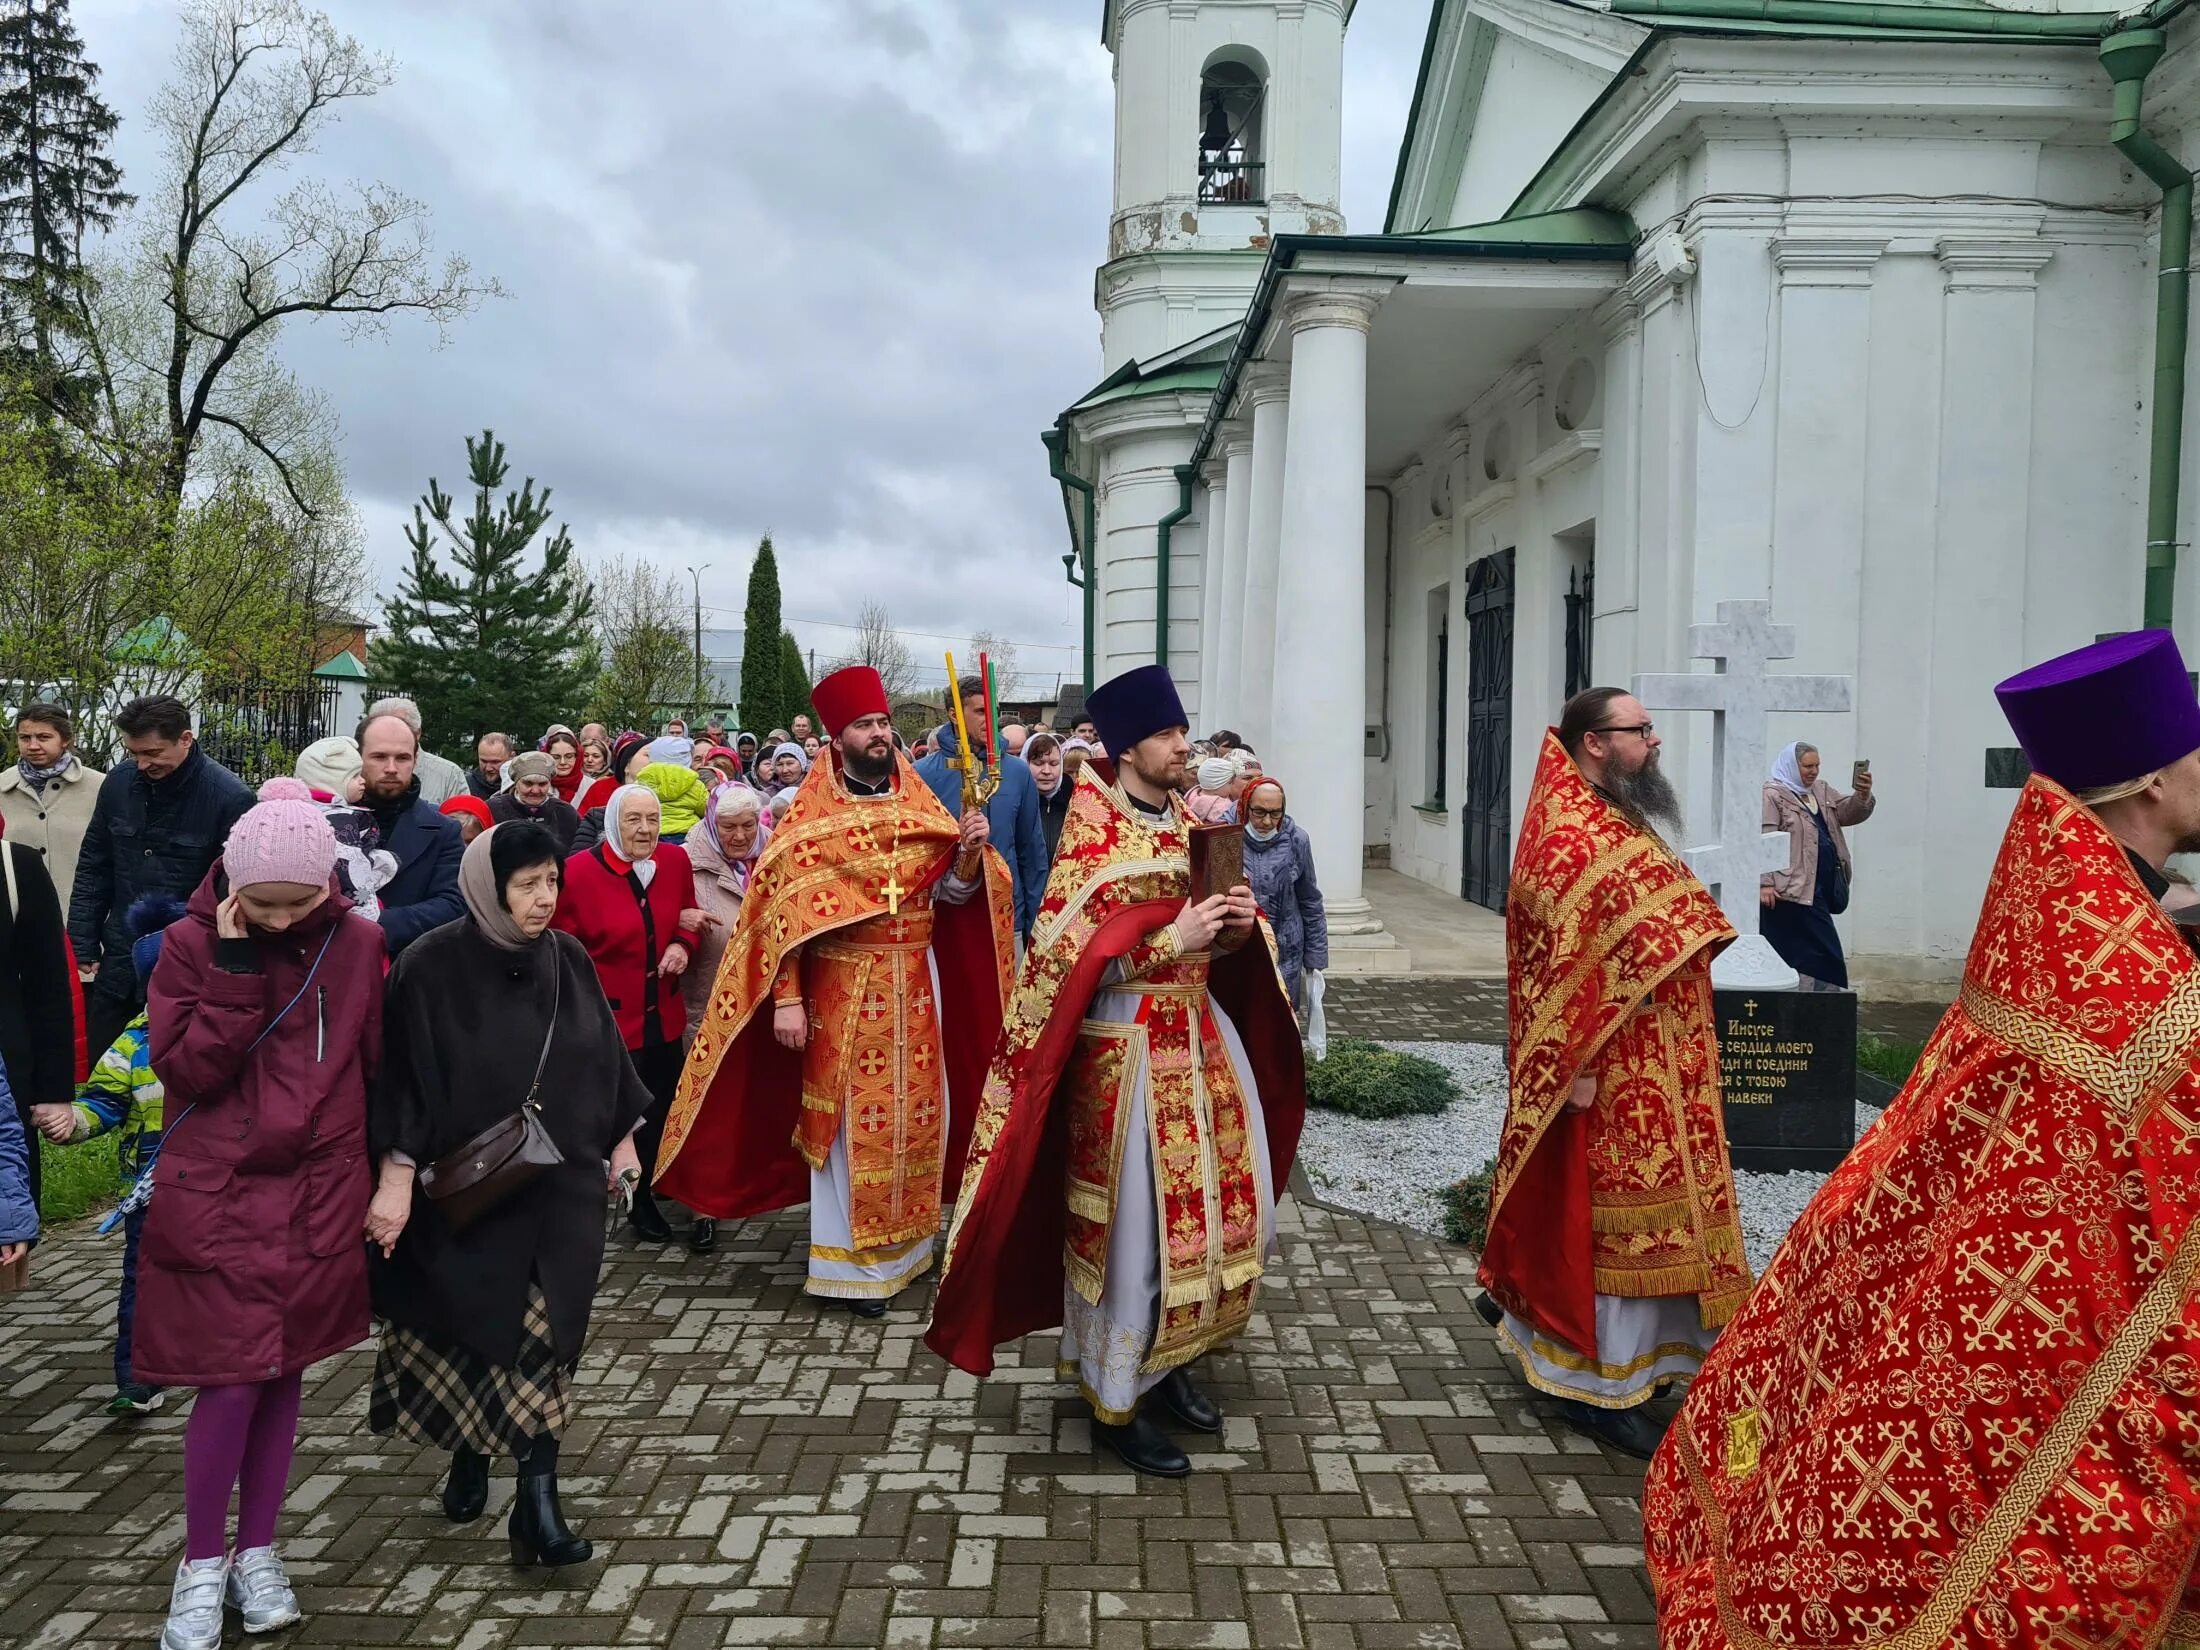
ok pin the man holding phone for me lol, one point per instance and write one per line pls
(1801, 901)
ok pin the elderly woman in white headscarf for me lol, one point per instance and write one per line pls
(1801, 902)
(724, 852)
(630, 901)
(788, 765)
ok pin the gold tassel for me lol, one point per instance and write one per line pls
(1652, 1217)
(1088, 1202)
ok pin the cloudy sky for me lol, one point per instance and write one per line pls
(821, 268)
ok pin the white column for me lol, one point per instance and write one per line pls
(1228, 704)
(1214, 531)
(1266, 393)
(1319, 704)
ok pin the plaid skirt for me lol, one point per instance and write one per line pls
(454, 1399)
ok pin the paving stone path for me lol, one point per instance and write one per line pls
(754, 1472)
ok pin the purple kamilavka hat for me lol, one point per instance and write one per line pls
(2109, 712)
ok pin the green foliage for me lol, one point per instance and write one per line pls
(645, 649)
(1887, 1057)
(493, 644)
(794, 680)
(763, 668)
(77, 1180)
(1467, 1206)
(1363, 1079)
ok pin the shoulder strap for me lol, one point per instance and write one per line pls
(7, 869)
(542, 1060)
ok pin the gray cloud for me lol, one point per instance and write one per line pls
(815, 267)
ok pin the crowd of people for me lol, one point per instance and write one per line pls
(295, 1004)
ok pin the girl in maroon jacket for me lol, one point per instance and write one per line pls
(266, 1020)
(630, 901)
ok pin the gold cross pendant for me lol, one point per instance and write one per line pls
(893, 892)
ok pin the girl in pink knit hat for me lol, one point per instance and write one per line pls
(265, 1011)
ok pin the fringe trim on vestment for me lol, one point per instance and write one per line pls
(814, 1156)
(1175, 1357)
(1688, 1278)
(1717, 1311)
(1089, 1202)
(1185, 1292)
(1237, 1273)
(1084, 1277)
(1649, 1217)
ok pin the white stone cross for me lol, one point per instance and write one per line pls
(1739, 695)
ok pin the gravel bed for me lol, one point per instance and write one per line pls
(1392, 1168)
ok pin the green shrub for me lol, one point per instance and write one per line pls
(77, 1180)
(1467, 1206)
(1361, 1079)
(1884, 1057)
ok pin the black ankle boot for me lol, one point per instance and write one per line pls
(538, 1528)
(466, 1490)
(1188, 1404)
(646, 1220)
(1143, 1446)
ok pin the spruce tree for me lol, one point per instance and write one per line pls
(56, 182)
(794, 681)
(491, 645)
(763, 673)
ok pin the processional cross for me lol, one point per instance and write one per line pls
(1740, 693)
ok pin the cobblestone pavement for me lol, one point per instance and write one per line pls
(754, 1472)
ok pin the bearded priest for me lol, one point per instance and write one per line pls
(1614, 1251)
(1963, 1407)
(1143, 1108)
(840, 1060)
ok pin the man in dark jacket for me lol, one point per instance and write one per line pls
(486, 777)
(424, 892)
(1012, 817)
(157, 827)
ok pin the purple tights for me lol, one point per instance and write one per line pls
(238, 1437)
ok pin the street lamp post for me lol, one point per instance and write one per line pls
(697, 576)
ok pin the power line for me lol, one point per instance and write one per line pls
(928, 635)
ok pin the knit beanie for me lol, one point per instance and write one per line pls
(530, 765)
(328, 764)
(1215, 772)
(147, 922)
(282, 838)
(673, 748)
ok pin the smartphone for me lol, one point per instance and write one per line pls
(1858, 769)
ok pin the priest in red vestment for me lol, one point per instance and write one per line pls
(1143, 1110)
(1614, 1248)
(860, 995)
(1963, 1407)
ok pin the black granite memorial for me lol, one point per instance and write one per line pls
(1787, 1063)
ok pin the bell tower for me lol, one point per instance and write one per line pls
(1228, 129)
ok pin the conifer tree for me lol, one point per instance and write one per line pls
(794, 681)
(490, 645)
(763, 673)
(57, 182)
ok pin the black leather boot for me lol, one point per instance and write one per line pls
(702, 1235)
(538, 1528)
(1630, 1431)
(1188, 1404)
(1143, 1446)
(466, 1490)
(646, 1220)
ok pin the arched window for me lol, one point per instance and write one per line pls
(1231, 95)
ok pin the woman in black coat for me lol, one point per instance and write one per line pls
(484, 1326)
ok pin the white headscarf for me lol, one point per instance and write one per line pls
(614, 832)
(790, 748)
(1787, 770)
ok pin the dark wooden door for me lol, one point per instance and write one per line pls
(1488, 811)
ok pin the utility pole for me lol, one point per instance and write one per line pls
(697, 707)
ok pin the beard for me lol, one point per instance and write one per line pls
(1161, 772)
(1646, 796)
(867, 766)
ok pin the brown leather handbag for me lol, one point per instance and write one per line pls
(466, 1183)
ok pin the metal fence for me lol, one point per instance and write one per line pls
(257, 729)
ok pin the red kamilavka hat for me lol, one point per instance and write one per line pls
(848, 693)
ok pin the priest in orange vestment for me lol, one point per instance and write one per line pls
(1963, 1407)
(1614, 1249)
(861, 993)
(1142, 1113)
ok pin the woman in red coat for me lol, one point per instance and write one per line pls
(266, 1020)
(630, 901)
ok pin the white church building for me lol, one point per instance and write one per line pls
(1847, 307)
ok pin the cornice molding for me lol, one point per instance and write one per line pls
(1990, 265)
(1574, 446)
(1826, 260)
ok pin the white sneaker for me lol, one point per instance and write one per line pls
(261, 1591)
(195, 1606)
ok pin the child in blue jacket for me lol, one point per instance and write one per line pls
(18, 1210)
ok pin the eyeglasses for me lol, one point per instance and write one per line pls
(1644, 729)
(1265, 813)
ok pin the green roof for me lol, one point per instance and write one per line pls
(1116, 387)
(156, 641)
(346, 664)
